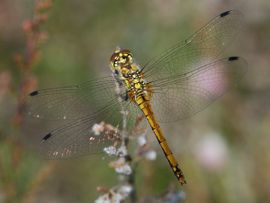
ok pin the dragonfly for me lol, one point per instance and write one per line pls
(177, 84)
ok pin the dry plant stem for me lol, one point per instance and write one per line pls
(128, 158)
(25, 61)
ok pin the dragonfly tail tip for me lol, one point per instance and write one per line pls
(182, 180)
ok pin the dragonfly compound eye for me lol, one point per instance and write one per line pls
(121, 58)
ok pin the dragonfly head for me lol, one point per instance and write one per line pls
(121, 60)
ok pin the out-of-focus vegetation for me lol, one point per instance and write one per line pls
(224, 150)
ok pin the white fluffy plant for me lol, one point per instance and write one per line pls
(124, 162)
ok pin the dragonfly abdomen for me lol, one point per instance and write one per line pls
(145, 106)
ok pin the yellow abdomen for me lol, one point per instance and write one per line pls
(145, 106)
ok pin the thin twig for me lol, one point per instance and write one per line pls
(128, 157)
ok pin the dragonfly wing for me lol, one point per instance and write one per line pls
(70, 102)
(80, 137)
(183, 95)
(203, 47)
(76, 120)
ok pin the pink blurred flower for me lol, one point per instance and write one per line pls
(213, 80)
(212, 152)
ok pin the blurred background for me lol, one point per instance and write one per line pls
(224, 150)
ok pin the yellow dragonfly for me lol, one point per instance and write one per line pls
(177, 84)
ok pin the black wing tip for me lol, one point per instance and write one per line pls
(46, 137)
(225, 13)
(233, 58)
(34, 93)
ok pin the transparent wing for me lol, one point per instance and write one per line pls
(88, 135)
(71, 102)
(76, 120)
(183, 95)
(203, 47)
